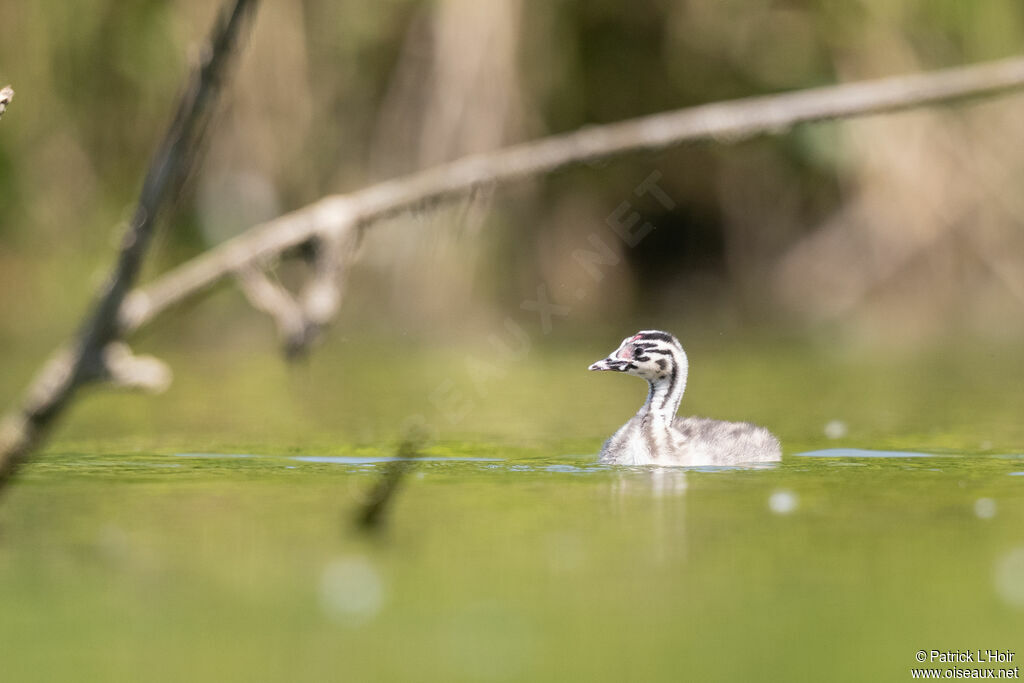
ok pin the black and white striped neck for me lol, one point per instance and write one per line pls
(664, 395)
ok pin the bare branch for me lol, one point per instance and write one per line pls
(341, 215)
(270, 296)
(300, 320)
(91, 357)
(124, 369)
(321, 298)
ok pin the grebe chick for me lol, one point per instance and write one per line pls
(655, 436)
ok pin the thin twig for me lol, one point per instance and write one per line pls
(89, 357)
(340, 216)
(267, 295)
(300, 318)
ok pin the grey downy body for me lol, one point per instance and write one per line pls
(655, 436)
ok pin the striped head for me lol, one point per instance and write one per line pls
(650, 354)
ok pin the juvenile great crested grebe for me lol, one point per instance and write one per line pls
(655, 436)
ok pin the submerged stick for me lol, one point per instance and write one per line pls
(85, 360)
(370, 516)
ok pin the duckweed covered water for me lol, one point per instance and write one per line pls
(168, 556)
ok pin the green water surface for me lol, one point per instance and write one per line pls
(208, 534)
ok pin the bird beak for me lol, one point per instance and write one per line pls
(609, 363)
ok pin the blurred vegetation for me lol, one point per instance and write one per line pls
(898, 228)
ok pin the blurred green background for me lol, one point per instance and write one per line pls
(856, 283)
(876, 238)
(894, 229)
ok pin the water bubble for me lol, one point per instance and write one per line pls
(351, 589)
(1009, 577)
(835, 429)
(783, 502)
(985, 508)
